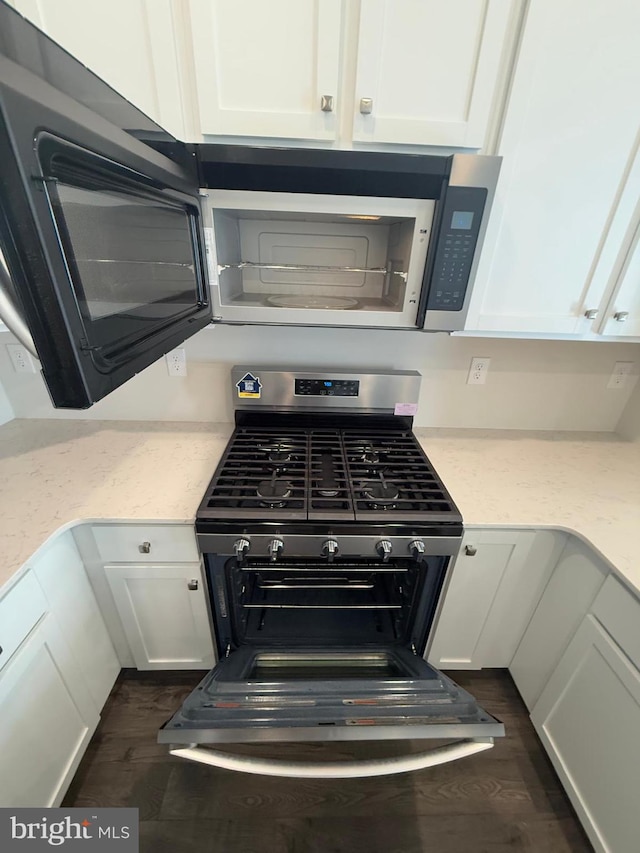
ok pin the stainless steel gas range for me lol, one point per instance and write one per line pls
(326, 536)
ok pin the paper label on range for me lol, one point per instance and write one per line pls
(405, 409)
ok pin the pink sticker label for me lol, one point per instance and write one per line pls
(405, 409)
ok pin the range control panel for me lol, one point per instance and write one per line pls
(327, 387)
(457, 241)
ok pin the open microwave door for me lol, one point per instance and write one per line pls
(266, 695)
(101, 235)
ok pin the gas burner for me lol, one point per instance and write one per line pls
(384, 507)
(279, 456)
(329, 492)
(380, 492)
(365, 453)
(274, 493)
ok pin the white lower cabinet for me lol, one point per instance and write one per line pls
(164, 614)
(572, 587)
(63, 577)
(495, 584)
(47, 718)
(588, 717)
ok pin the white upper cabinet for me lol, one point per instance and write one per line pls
(134, 45)
(262, 68)
(569, 142)
(427, 70)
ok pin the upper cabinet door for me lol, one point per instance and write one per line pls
(568, 142)
(428, 69)
(134, 45)
(262, 68)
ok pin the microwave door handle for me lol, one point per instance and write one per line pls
(338, 769)
(9, 313)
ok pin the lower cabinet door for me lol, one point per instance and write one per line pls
(164, 615)
(47, 717)
(588, 717)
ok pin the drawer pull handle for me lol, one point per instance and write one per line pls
(193, 584)
(470, 550)
(145, 548)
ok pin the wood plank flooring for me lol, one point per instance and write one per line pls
(507, 799)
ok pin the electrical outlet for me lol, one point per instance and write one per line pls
(618, 378)
(21, 359)
(478, 371)
(177, 362)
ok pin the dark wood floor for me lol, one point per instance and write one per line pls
(505, 799)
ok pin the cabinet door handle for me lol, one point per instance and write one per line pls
(144, 548)
(470, 550)
(591, 313)
(192, 584)
(326, 103)
(366, 106)
(620, 316)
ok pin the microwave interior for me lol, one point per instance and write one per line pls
(327, 253)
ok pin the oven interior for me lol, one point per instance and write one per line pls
(295, 603)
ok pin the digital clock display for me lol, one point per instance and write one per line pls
(327, 387)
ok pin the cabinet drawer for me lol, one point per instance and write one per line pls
(20, 610)
(619, 613)
(146, 543)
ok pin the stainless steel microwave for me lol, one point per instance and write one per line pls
(344, 238)
(118, 242)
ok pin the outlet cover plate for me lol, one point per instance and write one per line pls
(478, 371)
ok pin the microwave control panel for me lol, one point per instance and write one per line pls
(458, 237)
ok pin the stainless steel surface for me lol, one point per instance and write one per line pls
(276, 546)
(379, 390)
(263, 606)
(241, 548)
(470, 550)
(468, 170)
(384, 549)
(193, 584)
(621, 316)
(309, 268)
(10, 314)
(399, 731)
(144, 547)
(591, 313)
(310, 545)
(417, 550)
(326, 103)
(366, 106)
(330, 549)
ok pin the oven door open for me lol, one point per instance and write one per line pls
(265, 694)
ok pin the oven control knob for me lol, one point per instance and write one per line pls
(384, 549)
(417, 549)
(329, 549)
(241, 548)
(276, 546)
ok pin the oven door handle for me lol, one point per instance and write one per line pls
(335, 770)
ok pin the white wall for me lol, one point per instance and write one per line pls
(629, 424)
(6, 409)
(555, 385)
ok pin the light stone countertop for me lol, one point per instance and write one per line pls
(55, 472)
